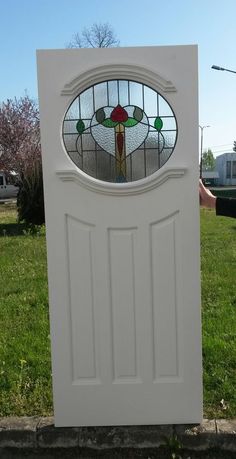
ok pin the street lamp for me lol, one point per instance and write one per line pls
(202, 128)
(216, 67)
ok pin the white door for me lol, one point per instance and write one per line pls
(120, 159)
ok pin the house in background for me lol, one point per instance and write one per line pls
(210, 178)
(226, 167)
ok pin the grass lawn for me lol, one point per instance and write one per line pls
(25, 371)
(25, 367)
(218, 255)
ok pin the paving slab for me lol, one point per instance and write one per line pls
(35, 437)
(49, 436)
(124, 436)
(226, 434)
(199, 437)
(18, 432)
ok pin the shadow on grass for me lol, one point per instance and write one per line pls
(13, 229)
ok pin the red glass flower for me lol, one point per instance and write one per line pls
(119, 114)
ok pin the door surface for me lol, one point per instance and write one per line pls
(122, 234)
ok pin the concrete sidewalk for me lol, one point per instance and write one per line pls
(35, 437)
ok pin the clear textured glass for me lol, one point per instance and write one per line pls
(70, 141)
(129, 168)
(73, 112)
(100, 96)
(105, 166)
(136, 94)
(170, 139)
(70, 127)
(77, 159)
(164, 107)
(169, 123)
(86, 104)
(155, 140)
(119, 130)
(88, 142)
(138, 165)
(134, 137)
(152, 161)
(123, 93)
(89, 162)
(112, 93)
(105, 138)
(150, 101)
(164, 156)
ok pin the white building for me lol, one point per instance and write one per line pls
(226, 167)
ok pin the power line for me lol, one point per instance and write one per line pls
(222, 151)
(224, 145)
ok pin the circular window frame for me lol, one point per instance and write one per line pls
(129, 73)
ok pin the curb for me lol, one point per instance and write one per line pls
(38, 437)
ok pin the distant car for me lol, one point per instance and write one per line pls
(8, 186)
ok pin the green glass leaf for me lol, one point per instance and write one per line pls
(158, 123)
(80, 126)
(100, 115)
(138, 114)
(130, 122)
(109, 123)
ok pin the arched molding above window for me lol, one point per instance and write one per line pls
(121, 189)
(108, 72)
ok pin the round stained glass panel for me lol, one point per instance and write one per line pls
(119, 131)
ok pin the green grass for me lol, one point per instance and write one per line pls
(25, 368)
(218, 255)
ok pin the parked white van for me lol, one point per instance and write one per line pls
(8, 186)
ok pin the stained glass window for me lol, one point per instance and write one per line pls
(119, 131)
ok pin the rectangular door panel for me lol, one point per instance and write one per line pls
(81, 292)
(122, 301)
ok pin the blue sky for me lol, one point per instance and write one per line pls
(27, 25)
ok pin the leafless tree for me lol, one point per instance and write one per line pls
(96, 36)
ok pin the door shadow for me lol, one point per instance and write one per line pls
(13, 229)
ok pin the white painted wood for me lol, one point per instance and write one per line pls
(130, 188)
(123, 259)
(113, 71)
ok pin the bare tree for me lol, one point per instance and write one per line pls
(96, 36)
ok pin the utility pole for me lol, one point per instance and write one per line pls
(201, 147)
